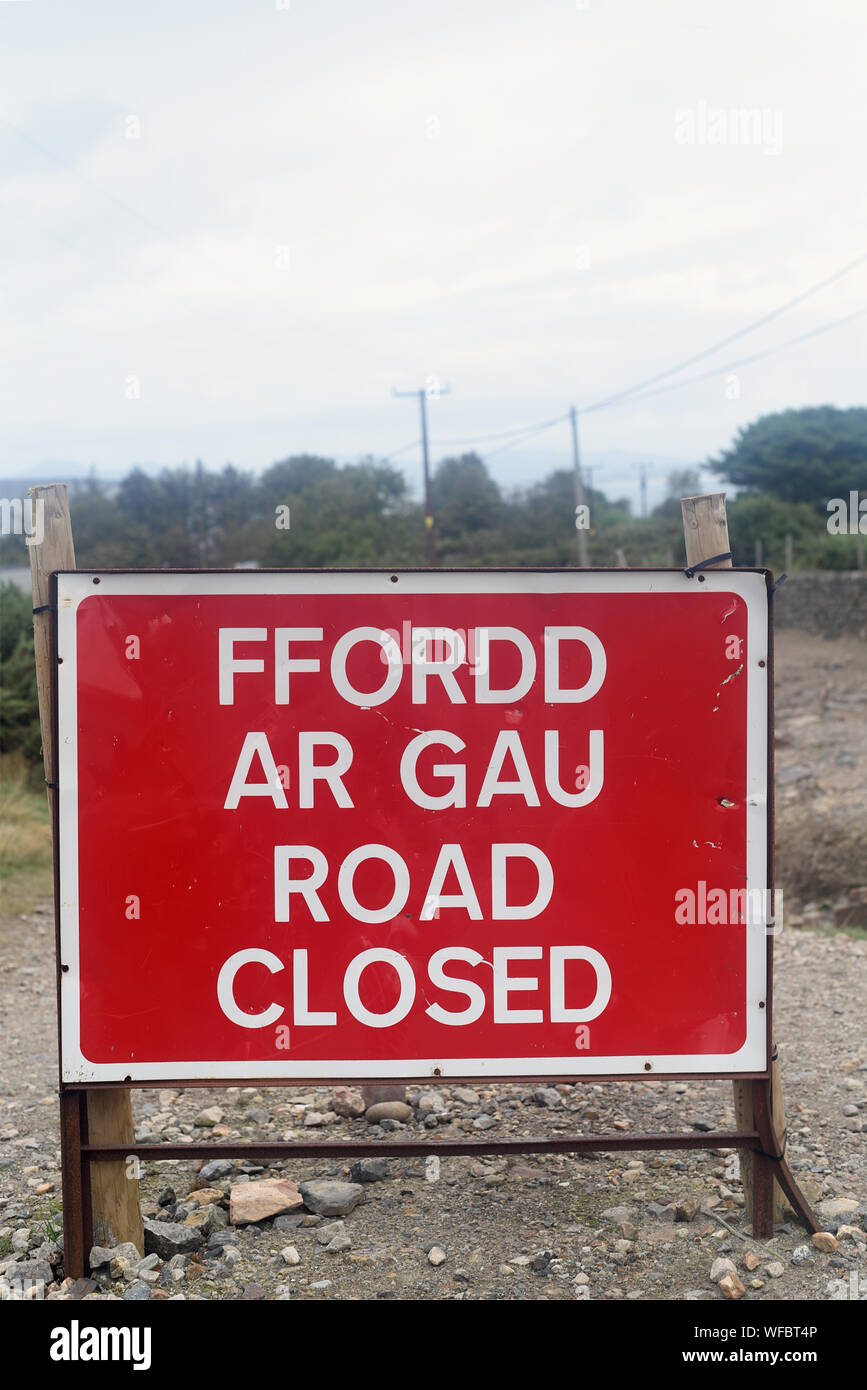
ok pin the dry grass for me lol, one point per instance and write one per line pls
(25, 840)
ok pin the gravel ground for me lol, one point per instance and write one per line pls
(632, 1226)
(821, 775)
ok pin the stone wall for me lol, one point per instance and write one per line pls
(830, 602)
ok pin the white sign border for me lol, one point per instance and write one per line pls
(74, 588)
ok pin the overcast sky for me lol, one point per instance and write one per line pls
(229, 227)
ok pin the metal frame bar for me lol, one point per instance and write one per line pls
(371, 1148)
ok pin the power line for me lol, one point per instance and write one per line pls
(742, 361)
(83, 178)
(525, 437)
(404, 448)
(505, 434)
(217, 266)
(524, 433)
(732, 337)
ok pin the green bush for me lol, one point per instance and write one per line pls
(19, 705)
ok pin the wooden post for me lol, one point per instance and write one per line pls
(706, 533)
(116, 1210)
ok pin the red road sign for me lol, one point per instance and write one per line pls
(333, 825)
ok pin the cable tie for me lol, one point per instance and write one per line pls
(703, 564)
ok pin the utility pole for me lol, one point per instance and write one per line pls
(642, 478)
(422, 394)
(581, 532)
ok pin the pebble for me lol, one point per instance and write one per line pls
(326, 1232)
(338, 1245)
(332, 1198)
(615, 1215)
(720, 1268)
(346, 1102)
(546, 1095)
(137, 1293)
(214, 1170)
(431, 1101)
(437, 1256)
(394, 1110)
(466, 1096)
(80, 1288)
(206, 1119)
(257, 1201)
(29, 1272)
(824, 1241)
(801, 1255)
(290, 1255)
(731, 1286)
(837, 1290)
(206, 1219)
(290, 1222)
(775, 1270)
(125, 1253)
(167, 1238)
(369, 1170)
(837, 1206)
(845, 1232)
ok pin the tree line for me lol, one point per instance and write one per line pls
(308, 511)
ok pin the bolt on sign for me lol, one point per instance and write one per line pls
(332, 825)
